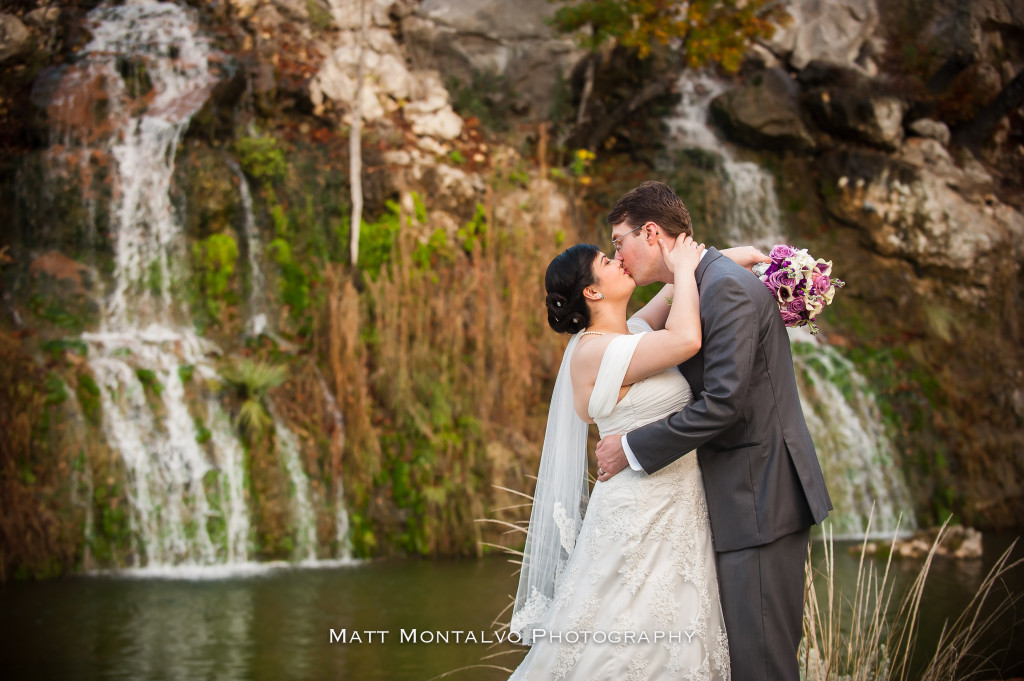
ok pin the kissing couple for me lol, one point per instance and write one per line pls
(689, 560)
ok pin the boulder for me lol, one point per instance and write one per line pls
(469, 39)
(874, 119)
(43, 18)
(764, 113)
(831, 30)
(453, 191)
(921, 207)
(386, 81)
(15, 38)
(346, 13)
(926, 127)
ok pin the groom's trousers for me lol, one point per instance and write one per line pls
(762, 591)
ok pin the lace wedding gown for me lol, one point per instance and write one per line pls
(643, 561)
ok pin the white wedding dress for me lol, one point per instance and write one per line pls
(643, 562)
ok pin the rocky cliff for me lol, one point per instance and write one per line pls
(866, 115)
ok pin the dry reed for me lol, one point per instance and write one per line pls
(440, 366)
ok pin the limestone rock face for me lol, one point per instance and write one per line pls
(388, 86)
(15, 38)
(920, 206)
(466, 38)
(872, 119)
(926, 127)
(829, 30)
(765, 112)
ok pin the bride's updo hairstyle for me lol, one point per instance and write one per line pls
(569, 273)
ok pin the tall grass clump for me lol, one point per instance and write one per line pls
(856, 638)
(869, 635)
(439, 364)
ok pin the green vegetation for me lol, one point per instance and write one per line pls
(699, 33)
(215, 258)
(262, 158)
(252, 380)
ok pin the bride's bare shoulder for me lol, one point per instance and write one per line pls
(586, 360)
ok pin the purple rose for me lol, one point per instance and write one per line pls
(822, 285)
(781, 252)
(778, 279)
(789, 318)
(797, 306)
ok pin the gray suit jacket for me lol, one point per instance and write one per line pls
(762, 478)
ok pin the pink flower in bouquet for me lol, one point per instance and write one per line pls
(782, 252)
(800, 283)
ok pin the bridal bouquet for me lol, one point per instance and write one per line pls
(800, 283)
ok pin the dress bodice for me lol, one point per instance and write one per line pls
(646, 401)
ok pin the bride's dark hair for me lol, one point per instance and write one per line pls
(569, 273)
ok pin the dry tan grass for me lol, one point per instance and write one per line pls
(852, 638)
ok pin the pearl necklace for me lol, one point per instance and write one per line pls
(596, 333)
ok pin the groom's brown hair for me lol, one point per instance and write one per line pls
(652, 201)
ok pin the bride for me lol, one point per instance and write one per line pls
(631, 591)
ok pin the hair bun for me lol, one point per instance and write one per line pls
(567, 275)
(557, 304)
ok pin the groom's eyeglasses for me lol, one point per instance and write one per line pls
(617, 241)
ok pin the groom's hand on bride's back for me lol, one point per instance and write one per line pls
(610, 457)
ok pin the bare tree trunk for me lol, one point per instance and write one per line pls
(355, 166)
(588, 87)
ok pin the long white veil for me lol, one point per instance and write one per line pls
(558, 502)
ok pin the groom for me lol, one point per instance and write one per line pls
(762, 478)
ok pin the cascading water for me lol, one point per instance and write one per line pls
(303, 517)
(257, 322)
(338, 442)
(185, 470)
(751, 207)
(858, 460)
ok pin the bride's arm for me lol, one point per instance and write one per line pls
(680, 339)
(745, 256)
(656, 350)
(655, 312)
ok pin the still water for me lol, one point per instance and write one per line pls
(275, 624)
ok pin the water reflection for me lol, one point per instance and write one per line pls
(275, 624)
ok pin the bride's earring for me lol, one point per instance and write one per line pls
(600, 296)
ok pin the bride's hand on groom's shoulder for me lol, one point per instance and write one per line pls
(684, 256)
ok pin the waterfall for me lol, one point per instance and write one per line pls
(185, 473)
(338, 442)
(751, 207)
(303, 517)
(860, 464)
(257, 321)
(157, 44)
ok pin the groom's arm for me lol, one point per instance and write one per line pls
(730, 343)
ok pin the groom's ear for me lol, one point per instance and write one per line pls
(651, 232)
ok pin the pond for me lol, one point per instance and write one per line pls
(276, 622)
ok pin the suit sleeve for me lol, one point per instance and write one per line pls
(729, 345)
